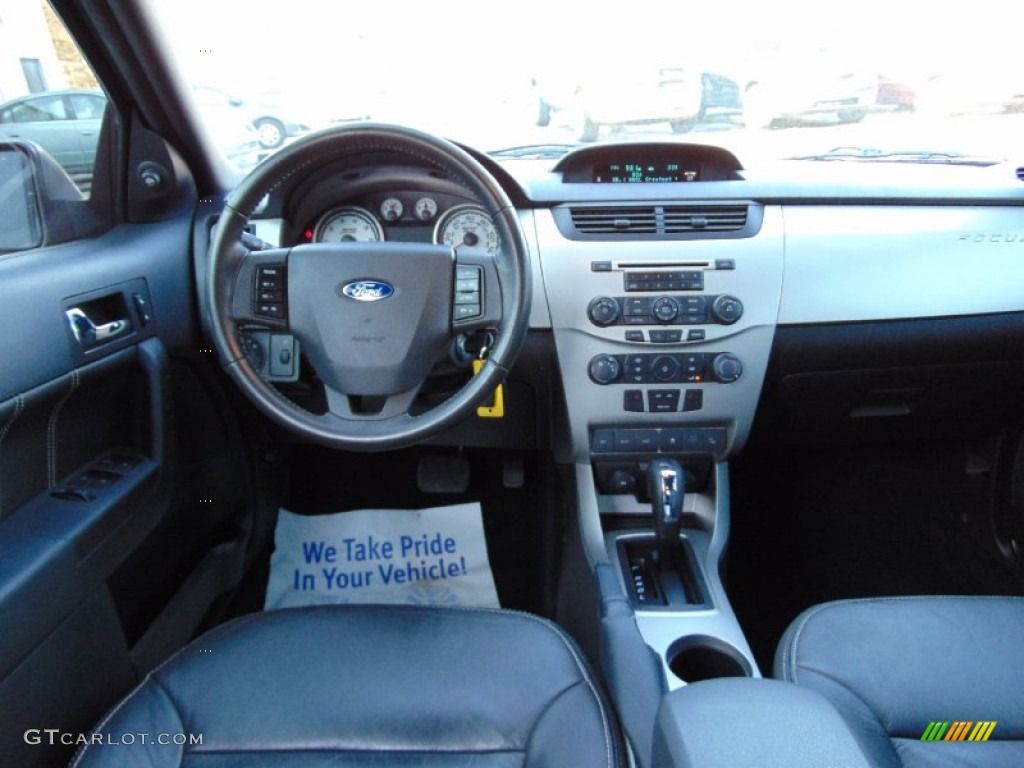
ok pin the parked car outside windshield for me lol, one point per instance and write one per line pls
(766, 82)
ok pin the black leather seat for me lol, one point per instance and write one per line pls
(894, 666)
(369, 685)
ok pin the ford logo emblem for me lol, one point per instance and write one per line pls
(367, 290)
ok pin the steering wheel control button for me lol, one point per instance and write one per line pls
(633, 401)
(726, 309)
(271, 292)
(663, 400)
(727, 367)
(603, 311)
(468, 299)
(604, 369)
(665, 309)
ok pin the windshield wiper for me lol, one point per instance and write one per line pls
(535, 151)
(874, 155)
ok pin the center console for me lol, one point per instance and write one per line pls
(663, 339)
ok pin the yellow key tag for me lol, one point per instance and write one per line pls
(495, 407)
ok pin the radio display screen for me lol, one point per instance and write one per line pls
(644, 173)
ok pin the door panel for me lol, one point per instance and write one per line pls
(86, 456)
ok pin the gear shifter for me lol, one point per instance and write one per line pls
(666, 487)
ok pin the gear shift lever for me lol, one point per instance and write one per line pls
(666, 487)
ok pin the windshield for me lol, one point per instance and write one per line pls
(789, 79)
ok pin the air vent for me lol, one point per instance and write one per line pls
(657, 219)
(618, 220)
(686, 218)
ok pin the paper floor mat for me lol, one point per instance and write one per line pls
(434, 556)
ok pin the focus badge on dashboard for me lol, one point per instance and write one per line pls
(366, 290)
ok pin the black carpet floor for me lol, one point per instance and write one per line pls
(812, 525)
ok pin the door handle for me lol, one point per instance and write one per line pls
(88, 333)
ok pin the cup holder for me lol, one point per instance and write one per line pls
(701, 657)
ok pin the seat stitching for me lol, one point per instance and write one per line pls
(790, 657)
(856, 695)
(547, 708)
(554, 629)
(151, 678)
(51, 431)
(19, 406)
(586, 677)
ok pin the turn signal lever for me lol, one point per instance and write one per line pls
(666, 487)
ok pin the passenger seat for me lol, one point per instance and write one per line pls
(917, 678)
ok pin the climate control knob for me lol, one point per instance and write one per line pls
(666, 309)
(664, 368)
(726, 309)
(604, 369)
(727, 367)
(604, 310)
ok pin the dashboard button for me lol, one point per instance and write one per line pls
(663, 400)
(665, 337)
(647, 440)
(603, 441)
(637, 306)
(625, 440)
(634, 335)
(633, 401)
(665, 368)
(671, 440)
(714, 439)
(604, 310)
(727, 309)
(604, 369)
(693, 400)
(696, 334)
(666, 309)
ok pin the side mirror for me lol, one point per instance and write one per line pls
(37, 198)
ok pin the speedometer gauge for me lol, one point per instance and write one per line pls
(468, 226)
(348, 224)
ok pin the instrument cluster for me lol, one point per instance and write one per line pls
(407, 216)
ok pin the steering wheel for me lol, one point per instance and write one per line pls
(371, 318)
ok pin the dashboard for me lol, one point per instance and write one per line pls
(683, 293)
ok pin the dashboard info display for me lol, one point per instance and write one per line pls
(641, 173)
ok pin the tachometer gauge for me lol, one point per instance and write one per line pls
(348, 224)
(425, 208)
(391, 209)
(467, 226)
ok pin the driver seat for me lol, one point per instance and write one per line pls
(360, 685)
